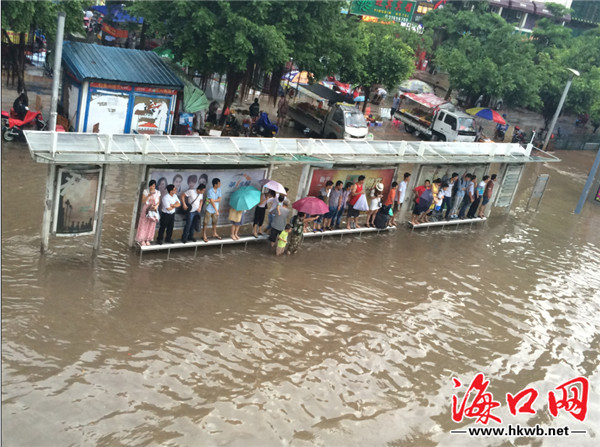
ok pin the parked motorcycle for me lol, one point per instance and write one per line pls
(12, 126)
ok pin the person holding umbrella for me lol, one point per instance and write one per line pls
(308, 205)
(243, 199)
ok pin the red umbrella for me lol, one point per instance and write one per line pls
(311, 205)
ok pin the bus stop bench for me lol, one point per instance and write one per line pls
(447, 223)
(245, 239)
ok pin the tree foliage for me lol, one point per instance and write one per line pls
(29, 16)
(483, 55)
(234, 37)
(374, 54)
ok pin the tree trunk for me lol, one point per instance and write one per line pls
(21, 64)
(448, 93)
(233, 82)
(275, 82)
(367, 92)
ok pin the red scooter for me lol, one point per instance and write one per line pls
(12, 126)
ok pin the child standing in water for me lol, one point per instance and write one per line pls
(282, 240)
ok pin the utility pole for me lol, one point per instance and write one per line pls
(559, 108)
(60, 31)
(51, 177)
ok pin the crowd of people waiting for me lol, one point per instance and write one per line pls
(457, 196)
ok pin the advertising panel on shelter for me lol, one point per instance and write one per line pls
(184, 179)
(372, 177)
(77, 193)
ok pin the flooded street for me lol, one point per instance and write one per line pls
(348, 343)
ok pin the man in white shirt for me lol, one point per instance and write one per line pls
(169, 203)
(191, 201)
(448, 194)
(401, 192)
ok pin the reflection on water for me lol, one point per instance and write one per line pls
(350, 342)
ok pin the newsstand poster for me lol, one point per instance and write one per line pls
(78, 197)
(372, 177)
(231, 180)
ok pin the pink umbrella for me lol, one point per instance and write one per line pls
(274, 186)
(311, 205)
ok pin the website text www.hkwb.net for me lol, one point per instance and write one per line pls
(519, 431)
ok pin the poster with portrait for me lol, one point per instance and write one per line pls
(184, 179)
(372, 177)
(77, 193)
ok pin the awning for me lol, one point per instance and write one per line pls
(428, 100)
(90, 148)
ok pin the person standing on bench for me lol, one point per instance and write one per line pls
(448, 193)
(478, 195)
(487, 195)
(213, 198)
(191, 201)
(169, 203)
(355, 193)
(469, 197)
(461, 191)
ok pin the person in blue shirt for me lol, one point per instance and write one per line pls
(213, 198)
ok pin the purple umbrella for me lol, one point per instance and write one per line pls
(311, 205)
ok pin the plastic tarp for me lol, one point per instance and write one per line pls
(428, 100)
(323, 92)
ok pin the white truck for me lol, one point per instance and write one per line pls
(433, 118)
(339, 120)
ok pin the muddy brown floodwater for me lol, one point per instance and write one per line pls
(347, 343)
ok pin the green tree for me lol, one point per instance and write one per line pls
(27, 16)
(376, 56)
(234, 38)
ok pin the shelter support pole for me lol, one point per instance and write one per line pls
(588, 183)
(136, 205)
(100, 215)
(48, 207)
(60, 29)
(303, 183)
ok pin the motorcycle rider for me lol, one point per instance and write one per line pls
(21, 105)
(501, 129)
(254, 109)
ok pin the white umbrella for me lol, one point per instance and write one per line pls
(274, 186)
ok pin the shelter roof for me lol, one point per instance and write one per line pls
(90, 148)
(98, 62)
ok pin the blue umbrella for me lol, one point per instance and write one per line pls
(244, 198)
